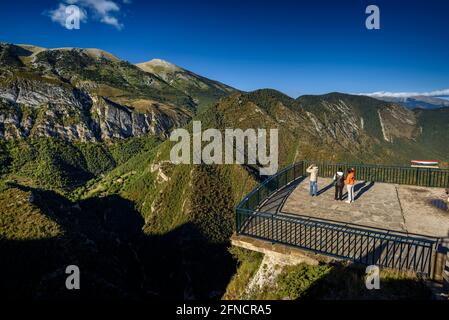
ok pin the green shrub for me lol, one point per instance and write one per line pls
(294, 281)
(124, 150)
(98, 159)
(248, 264)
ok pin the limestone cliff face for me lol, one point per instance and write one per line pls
(32, 108)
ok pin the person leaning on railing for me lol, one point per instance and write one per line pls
(313, 170)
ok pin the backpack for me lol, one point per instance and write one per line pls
(340, 180)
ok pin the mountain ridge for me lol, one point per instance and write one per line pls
(201, 88)
(415, 102)
(100, 96)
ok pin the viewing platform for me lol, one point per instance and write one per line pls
(409, 209)
(399, 218)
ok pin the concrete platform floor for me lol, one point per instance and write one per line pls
(396, 207)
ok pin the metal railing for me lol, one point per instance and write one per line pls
(425, 177)
(360, 244)
(368, 246)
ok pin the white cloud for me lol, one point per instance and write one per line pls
(112, 21)
(436, 93)
(105, 11)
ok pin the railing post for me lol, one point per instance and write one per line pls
(445, 273)
(237, 224)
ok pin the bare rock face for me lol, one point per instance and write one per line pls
(39, 109)
(100, 120)
(397, 122)
(338, 122)
(118, 121)
(34, 93)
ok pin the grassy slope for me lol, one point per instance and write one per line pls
(20, 219)
(435, 131)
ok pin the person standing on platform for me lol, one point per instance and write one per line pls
(339, 180)
(350, 181)
(313, 185)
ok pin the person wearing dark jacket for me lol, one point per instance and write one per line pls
(339, 179)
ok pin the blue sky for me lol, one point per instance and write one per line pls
(297, 47)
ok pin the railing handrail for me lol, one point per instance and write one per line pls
(376, 165)
(368, 248)
(386, 169)
(265, 182)
(302, 219)
(353, 225)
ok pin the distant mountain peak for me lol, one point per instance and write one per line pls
(159, 66)
(204, 91)
(419, 101)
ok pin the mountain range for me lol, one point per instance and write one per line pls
(90, 95)
(86, 176)
(413, 102)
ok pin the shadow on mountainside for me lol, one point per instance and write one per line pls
(346, 281)
(104, 238)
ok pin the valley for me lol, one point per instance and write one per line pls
(87, 178)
